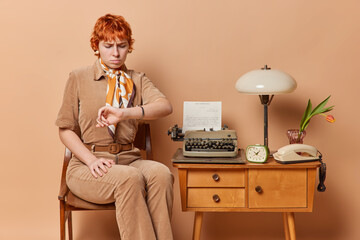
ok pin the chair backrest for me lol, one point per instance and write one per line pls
(143, 139)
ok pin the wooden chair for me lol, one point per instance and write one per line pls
(69, 202)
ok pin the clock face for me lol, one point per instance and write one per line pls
(257, 153)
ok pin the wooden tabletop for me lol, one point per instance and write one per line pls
(271, 163)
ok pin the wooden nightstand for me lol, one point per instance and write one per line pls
(250, 187)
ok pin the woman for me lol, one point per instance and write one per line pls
(105, 166)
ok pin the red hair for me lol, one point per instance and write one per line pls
(109, 28)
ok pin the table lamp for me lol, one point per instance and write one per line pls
(265, 83)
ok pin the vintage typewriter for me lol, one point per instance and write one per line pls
(201, 143)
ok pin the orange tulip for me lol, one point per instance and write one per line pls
(330, 118)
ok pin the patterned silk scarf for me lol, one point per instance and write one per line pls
(120, 91)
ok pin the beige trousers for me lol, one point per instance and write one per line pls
(142, 191)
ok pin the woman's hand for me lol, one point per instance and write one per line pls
(108, 115)
(99, 166)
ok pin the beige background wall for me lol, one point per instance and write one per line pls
(193, 51)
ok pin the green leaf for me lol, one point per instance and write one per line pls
(319, 108)
(306, 114)
(328, 109)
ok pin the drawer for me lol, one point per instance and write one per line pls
(216, 178)
(216, 197)
(277, 188)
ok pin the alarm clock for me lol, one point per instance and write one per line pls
(257, 153)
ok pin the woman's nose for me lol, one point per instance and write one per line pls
(116, 52)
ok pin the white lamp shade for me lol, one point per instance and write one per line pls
(265, 82)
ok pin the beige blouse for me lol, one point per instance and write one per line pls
(85, 93)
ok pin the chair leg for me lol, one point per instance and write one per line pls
(62, 220)
(70, 226)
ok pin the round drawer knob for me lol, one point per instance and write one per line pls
(216, 177)
(258, 189)
(216, 198)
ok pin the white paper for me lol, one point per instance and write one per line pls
(200, 115)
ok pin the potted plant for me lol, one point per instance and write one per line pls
(297, 135)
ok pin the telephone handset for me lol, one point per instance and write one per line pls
(296, 153)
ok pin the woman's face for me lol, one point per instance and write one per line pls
(113, 53)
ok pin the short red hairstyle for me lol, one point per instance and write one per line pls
(109, 28)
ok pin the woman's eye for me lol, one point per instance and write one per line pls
(123, 46)
(107, 46)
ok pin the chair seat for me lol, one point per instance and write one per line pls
(77, 202)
